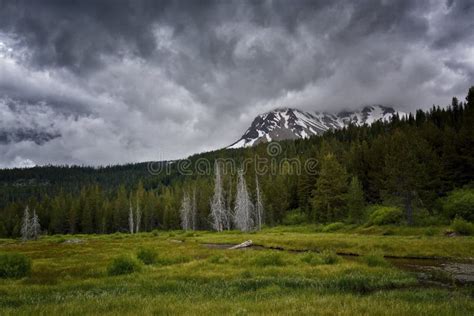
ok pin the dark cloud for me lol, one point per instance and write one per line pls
(142, 80)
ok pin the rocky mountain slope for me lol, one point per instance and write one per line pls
(288, 123)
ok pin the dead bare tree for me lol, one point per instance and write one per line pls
(258, 206)
(186, 212)
(138, 216)
(25, 224)
(130, 218)
(243, 206)
(35, 227)
(219, 213)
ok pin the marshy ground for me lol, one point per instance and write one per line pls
(307, 272)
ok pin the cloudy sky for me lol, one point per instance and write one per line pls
(102, 82)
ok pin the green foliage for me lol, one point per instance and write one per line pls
(311, 258)
(375, 259)
(325, 257)
(218, 259)
(384, 215)
(329, 257)
(409, 162)
(329, 197)
(332, 227)
(430, 231)
(459, 203)
(123, 265)
(355, 201)
(147, 255)
(269, 259)
(294, 217)
(14, 265)
(462, 227)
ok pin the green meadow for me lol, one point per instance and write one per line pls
(182, 273)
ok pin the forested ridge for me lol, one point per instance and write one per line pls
(407, 168)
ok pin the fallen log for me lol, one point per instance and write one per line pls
(245, 244)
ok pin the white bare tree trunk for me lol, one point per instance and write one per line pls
(258, 206)
(138, 216)
(186, 213)
(26, 225)
(194, 211)
(229, 216)
(219, 213)
(130, 218)
(35, 226)
(243, 206)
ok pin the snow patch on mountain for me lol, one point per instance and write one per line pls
(288, 123)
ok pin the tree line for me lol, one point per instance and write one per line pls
(410, 162)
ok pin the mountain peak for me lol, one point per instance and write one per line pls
(290, 123)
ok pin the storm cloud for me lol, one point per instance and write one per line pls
(103, 82)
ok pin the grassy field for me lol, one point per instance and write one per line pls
(189, 278)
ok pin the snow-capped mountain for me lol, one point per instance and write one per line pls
(287, 123)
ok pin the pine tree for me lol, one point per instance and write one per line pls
(406, 173)
(243, 206)
(26, 224)
(355, 201)
(120, 211)
(329, 197)
(35, 226)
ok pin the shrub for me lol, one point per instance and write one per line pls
(123, 265)
(147, 256)
(326, 257)
(384, 215)
(459, 203)
(430, 231)
(329, 257)
(332, 227)
(294, 217)
(155, 232)
(269, 259)
(462, 227)
(375, 259)
(312, 259)
(14, 265)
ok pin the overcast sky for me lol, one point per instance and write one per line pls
(105, 82)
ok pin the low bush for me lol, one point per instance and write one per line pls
(459, 203)
(462, 226)
(326, 257)
(311, 259)
(375, 259)
(384, 215)
(294, 217)
(123, 265)
(430, 231)
(332, 227)
(14, 265)
(155, 232)
(269, 259)
(329, 257)
(147, 256)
